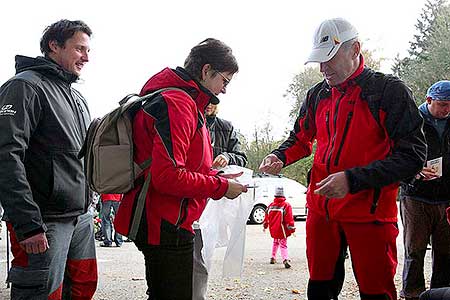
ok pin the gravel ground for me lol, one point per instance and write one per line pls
(121, 272)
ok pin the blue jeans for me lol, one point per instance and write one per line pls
(107, 226)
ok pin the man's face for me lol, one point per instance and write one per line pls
(74, 54)
(340, 67)
(210, 110)
(440, 109)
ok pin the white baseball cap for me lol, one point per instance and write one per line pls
(329, 37)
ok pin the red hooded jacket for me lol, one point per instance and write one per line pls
(171, 130)
(279, 218)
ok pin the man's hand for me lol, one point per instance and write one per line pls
(334, 186)
(271, 164)
(235, 189)
(427, 174)
(220, 161)
(36, 244)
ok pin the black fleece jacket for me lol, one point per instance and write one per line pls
(43, 123)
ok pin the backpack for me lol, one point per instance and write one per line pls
(108, 148)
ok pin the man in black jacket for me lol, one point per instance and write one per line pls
(424, 199)
(43, 188)
(224, 140)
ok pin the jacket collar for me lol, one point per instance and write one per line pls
(279, 199)
(44, 65)
(179, 78)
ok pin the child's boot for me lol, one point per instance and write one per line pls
(286, 263)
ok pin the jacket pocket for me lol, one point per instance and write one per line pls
(68, 193)
(171, 235)
(344, 136)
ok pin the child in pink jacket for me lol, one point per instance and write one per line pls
(280, 221)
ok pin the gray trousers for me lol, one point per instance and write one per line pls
(422, 221)
(200, 273)
(67, 270)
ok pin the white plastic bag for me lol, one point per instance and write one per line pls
(223, 225)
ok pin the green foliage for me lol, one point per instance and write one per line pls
(299, 170)
(263, 144)
(428, 60)
(300, 85)
(371, 60)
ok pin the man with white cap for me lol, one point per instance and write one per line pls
(425, 197)
(368, 135)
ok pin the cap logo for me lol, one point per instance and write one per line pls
(336, 41)
(324, 39)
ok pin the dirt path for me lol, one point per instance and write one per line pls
(121, 272)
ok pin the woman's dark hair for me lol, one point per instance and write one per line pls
(213, 52)
(60, 32)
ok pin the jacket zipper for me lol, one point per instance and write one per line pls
(182, 214)
(327, 213)
(203, 149)
(327, 122)
(336, 110)
(344, 135)
(76, 109)
(77, 115)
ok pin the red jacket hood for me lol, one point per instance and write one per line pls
(179, 78)
(279, 199)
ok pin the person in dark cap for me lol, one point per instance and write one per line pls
(425, 197)
(367, 134)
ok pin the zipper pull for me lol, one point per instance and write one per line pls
(79, 105)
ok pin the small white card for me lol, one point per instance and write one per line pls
(436, 165)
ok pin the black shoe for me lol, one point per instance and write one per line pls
(286, 263)
(127, 241)
(272, 261)
(105, 245)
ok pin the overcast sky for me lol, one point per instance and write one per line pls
(271, 39)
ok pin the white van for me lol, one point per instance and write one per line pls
(264, 192)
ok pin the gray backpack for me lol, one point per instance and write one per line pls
(108, 148)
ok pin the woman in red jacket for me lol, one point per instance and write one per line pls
(280, 221)
(157, 214)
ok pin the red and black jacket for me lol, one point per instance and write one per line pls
(279, 218)
(369, 127)
(171, 130)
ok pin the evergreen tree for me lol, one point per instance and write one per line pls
(428, 60)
